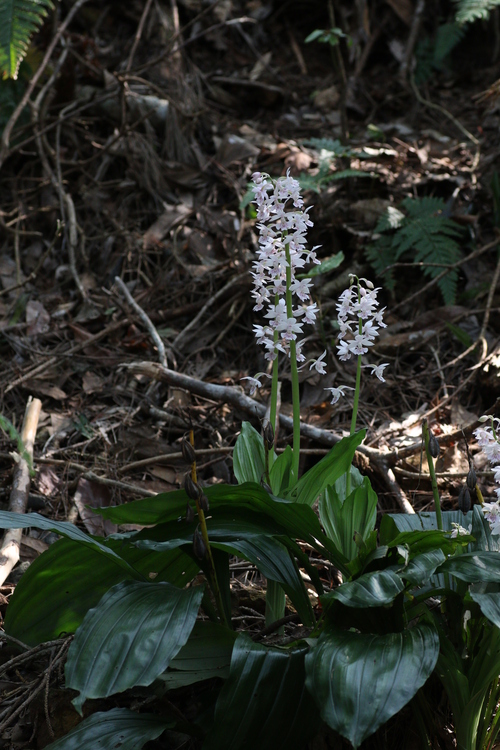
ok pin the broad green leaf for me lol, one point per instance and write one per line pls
(108, 730)
(264, 703)
(129, 638)
(422, 567)
(344, 520)
(393, 523)
(279, 473)
(482, 533)
(61, 585)
(296, 520)
(489, 604)
(252, 540)
(326, 265)
(369, 590)
(69, 530)
(426, 541)
(328, 470)
(473, 567)
(248, 455)
(359, 681)
(206, 654)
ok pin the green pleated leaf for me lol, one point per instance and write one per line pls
(61, 585)
(328, 470)
(422, 567)
(130, 638)
(206, 654)
(393, 523)
(355, 515)
(248, 455)
(279, 473)
(274, 562)
(294, 519)
(246, 535)
(109, 730)
(359, 681)
(474, 567)
(369, 590)
(69, 530)
(489, 604)
(264, 703)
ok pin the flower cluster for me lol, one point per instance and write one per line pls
(488, 441)
(359, 324)
(282, 251)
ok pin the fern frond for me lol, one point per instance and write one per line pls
(19, 19)
(380, 255)
(424, 232)
(448, 36)
(471, 10)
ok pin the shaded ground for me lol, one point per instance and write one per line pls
(158, 199)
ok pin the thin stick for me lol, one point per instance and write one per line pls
(9, 551)
(4, 149)
(138, 34)
(146, 320)
(74, 350)
(187, 332)
(228, 394)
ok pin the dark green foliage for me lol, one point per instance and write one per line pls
(422, 234)
(19, 19)
(433, 53)
(471, 10)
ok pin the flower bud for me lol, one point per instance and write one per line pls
(433, 446)
(188, 452)
(189, 513)
(199, 546)
(471, 478)
(203, 503)
(266, 486)
(268, 436)
(193, 490)
(464, 502)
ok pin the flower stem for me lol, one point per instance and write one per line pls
(212, 574)
(294, 372)
(355, 406)
(432, 472)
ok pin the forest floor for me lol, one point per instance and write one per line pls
(136, 162)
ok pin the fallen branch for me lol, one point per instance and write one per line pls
(230, 395)
(9, 551)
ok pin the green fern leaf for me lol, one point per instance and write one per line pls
(380, 254)
(426, 234)
(19, 19)
(471, 10)
(448, 36)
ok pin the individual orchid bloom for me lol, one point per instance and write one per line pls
(338, 392)
(459, 530)
(492, 514)
(378, 370)
(318, 364)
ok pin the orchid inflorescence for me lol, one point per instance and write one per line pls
(282, 224)
(282, 249)
(489, 442)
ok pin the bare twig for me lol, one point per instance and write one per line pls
(4, 148)
(146, 320)
(74, 350)
(9, 551)
(190, 329)
(228, 394)
(138, 34)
